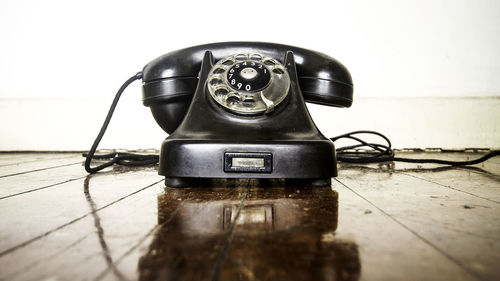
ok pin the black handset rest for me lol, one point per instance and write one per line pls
(173, 76)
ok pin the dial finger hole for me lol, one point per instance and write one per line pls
(241, 57)
(219, 70)
(215, 81)
(233, 99)
(248, 102)
(256, 57)
(221, 92)
(278, 71)
(228, 62)
(269, 62)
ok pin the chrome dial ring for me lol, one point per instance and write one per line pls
(249, 83)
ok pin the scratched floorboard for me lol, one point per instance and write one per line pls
(52, 162)
(378, 222)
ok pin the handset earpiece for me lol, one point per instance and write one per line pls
(325, 81)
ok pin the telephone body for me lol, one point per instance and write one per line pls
(237, 110)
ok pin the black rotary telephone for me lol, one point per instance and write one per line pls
(237, 110)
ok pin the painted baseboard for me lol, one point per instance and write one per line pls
(410, 122)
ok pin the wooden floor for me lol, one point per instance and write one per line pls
(377, 222)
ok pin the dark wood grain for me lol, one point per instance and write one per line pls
(377, 222)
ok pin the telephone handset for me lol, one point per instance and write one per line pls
(170, 81)
(237, 110)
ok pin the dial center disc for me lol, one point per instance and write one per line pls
(248, 76)
(248, 73)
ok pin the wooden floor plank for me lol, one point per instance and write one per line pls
(15, 159)
(90, 245)
(480, 185)
(34, 214)
(33, 166)
(468, 237)
(39, 180)
(481, 180)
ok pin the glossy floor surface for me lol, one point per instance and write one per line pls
(377, 222)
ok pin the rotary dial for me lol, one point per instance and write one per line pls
(248, 83)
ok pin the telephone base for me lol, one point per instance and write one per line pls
(186, 162)
(219, 142)
(245, 182)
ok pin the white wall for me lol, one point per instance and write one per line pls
(74, 51)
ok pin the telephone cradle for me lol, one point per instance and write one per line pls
(237, 110)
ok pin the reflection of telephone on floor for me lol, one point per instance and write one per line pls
(275, 234)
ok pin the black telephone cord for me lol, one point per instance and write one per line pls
(384, 153)
(126, 159)
(371, 153)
